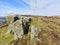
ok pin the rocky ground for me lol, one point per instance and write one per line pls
(49, 34)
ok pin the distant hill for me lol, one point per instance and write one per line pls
(2, 19)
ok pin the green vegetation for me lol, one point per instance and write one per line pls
(5, 39)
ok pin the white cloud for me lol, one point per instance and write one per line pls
(44, 7)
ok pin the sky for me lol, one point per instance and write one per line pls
(31, 7)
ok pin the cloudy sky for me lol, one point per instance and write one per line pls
(33, 7)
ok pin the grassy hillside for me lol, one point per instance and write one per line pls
(49, 34)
